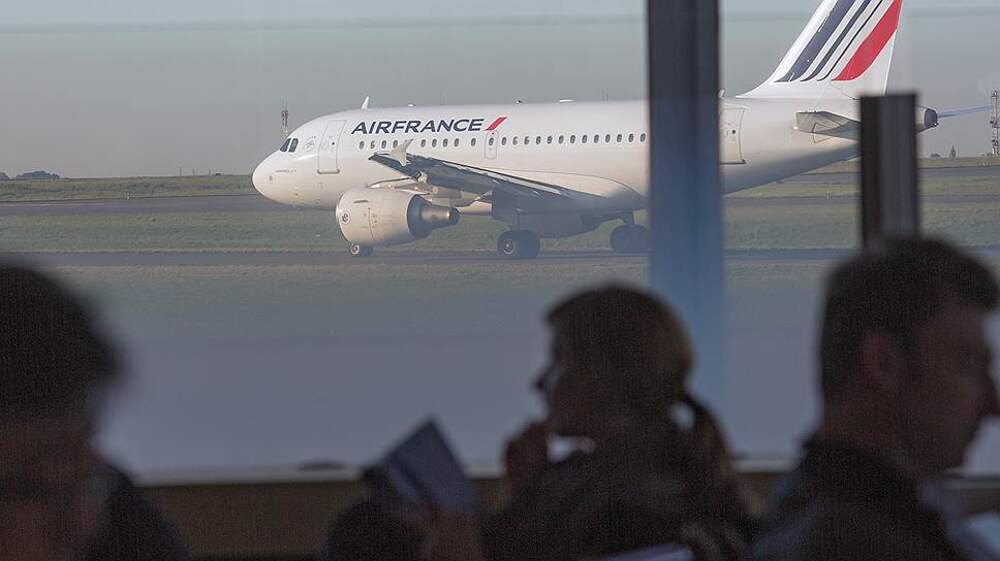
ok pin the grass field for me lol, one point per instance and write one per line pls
(121, 188)
(855, 165)
(778, 218)
(127, 187)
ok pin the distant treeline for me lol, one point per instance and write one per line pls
(30, 175)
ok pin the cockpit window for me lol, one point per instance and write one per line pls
(295, 144)
(284, 147)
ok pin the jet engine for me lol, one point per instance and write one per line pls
(382, 217)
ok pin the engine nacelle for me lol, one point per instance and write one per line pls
(381, 217)
(927, 118)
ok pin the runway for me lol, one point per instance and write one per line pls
(143, 205)
(396, 258)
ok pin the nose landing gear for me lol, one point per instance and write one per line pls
(358, 250)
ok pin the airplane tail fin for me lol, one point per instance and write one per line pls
(844, 52)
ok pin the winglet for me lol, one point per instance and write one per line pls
(364, 104)
(399, 153)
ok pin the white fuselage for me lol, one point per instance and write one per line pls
(553, 142)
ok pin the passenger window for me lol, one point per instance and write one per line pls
(538, 140)
(361, 145)
(492, 141)
(373, 145)
(284, 147)
(619, 138)
(583, 139)
(503, 141)
(395, 144)
(607, 139)
(472, 142)
(295, 144)
(444, 143)
(597, 138)
(434, 143)
(561, 139)
(642, 137)
(456, 143)
(384, 144)
(527, 140)
(631, 138)
(514, 141)
(423, 143)
(549, 141)
(572, 139)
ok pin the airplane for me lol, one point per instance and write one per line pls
(555, 170)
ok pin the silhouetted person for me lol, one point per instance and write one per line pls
(55, 371)
(369, 531)
(617, 380)
(905, 377)
(129, 525)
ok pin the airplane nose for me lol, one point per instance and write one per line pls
(262, 178)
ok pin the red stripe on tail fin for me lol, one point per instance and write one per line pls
(873, 45)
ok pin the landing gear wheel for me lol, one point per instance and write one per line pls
(358, 250)
(519, 244)
(630, 238)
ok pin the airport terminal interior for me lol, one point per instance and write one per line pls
(311, 228)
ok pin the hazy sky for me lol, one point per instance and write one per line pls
(108, 11)
(82, 100)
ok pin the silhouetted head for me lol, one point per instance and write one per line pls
(54, 368)
(616, 352)
(905, 329)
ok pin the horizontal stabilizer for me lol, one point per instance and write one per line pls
(828, 124)
(965, 111)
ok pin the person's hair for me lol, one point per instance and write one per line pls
(630, 340)
(641, 351)
(52, 358)
(893, 290)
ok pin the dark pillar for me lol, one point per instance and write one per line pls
(890, 199)
(685, 190)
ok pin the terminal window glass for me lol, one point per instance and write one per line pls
(266, 311)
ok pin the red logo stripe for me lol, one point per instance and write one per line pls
(873, 45)
(496, 123)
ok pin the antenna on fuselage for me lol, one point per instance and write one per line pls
(284, 119)
(364, 104)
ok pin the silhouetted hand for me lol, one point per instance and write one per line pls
(526, 455)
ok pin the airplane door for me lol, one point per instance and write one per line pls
(492, 140)
(329, 145)
(730, 136)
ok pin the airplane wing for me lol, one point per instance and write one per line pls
(828, 124)
(529, 194)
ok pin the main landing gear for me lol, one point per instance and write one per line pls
(519, 244)
(630, 238)
(358, 250)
